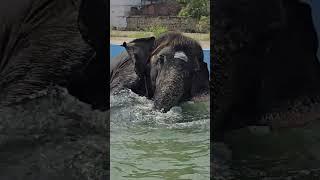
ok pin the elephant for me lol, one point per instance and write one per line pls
(264, 64)
(265, 74)
(57, 47)
(59, 44)
(168, 69)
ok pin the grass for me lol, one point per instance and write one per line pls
(130, 34)
(141, 34)
(199, 36)
(157, 30)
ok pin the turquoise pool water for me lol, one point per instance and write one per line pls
(149, 145)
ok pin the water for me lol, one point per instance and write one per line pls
(50, 132)
(258, 153)
(49, 110)
(147, 144)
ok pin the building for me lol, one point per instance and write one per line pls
(120, 9)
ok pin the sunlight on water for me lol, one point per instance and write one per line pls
(147, 144)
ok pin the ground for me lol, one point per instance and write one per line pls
(118, 37)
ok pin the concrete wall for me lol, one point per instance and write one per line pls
(119, 10)
(171, 22)
(170, 8)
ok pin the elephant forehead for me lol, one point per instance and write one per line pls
(181, 55)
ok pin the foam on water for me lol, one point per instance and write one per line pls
(128, 108)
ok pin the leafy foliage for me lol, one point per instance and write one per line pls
(194, 8)
(157, 30)
(204, 24)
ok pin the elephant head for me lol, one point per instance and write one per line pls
(170, 74)
(174, 71)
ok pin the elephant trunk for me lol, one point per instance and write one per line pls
(169, 89)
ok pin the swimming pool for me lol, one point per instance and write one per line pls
(147, 144)
(117, 49)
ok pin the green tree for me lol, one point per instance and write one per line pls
(204, 24)
(157, 30)
(194, 8)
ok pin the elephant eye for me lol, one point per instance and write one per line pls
(135, 56)
(161, 59)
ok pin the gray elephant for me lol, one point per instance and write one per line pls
(264, 66)
(50, 50)
(169, 70)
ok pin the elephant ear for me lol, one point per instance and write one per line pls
(139, 50)
(91, 20)
(200, 80)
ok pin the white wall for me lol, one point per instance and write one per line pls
(315, 6)
(119, 10)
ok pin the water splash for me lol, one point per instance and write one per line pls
(128, 109)
(149, 144)
(51, 110)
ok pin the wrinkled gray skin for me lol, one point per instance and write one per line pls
(124, 70)
(46, 47)
(170, 76)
